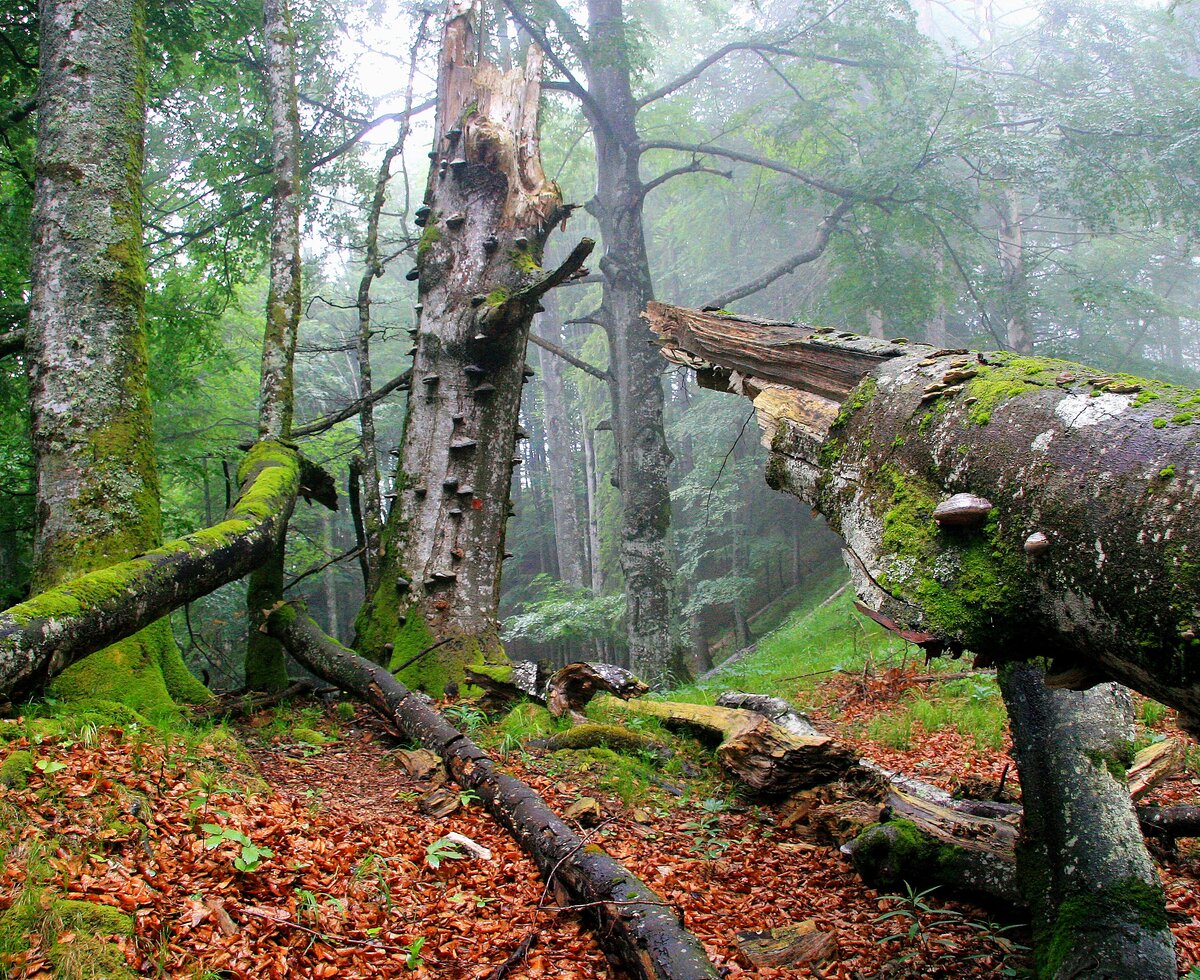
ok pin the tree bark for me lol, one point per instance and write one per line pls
(97, 480)
(41, 637)
(266, 669)
(877, 435)
(1098, 906)
(636, 390)
(489, 212)
(568, 541)
(639, 934)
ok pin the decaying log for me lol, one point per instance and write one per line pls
(589, 736)
(787, 947)
(247, 703)
(776, 709)
(566, 691)
(45, 634)
(572, 687)
(1153, 765)
(876, 435)
(1170, 822)
(638, 931)
(753, 749)
(926, 842)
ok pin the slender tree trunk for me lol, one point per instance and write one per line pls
(97, 482)
(266, 669)
(595, 576)
(875, 324)
(568, 541)
(488, 212)
(371, 502)
(1098, 906)
(935, 330)
(1014, 285)
(636, 389)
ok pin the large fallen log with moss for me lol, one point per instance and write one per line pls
(45, 634)
(639, 932)
(1016, 506)
(566, 691)
(753, 749)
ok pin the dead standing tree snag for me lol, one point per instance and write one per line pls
(877, 435)
(488, 212)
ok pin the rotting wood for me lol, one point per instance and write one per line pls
(638, 931)
(852, 430)
(753, 749)
(566, 691)
(1153, 765)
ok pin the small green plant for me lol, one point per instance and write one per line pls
(249, 856)
(466, 716)
(345, 711)
(307, 904)
(441, 850)
(49, 766)
(708, 840)
(413, 960)
(467, 796)
(1151, 713)
(892, 730)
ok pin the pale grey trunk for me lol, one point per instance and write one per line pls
(596, 578)
(1097, 904)
(568, 541)
(266, 669)
(875, 323)
(490, 211)
(935, 329)
(97, 483)
(1014, 288)
(642, 455)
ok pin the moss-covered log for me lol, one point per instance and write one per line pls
(753, 749)
(60, 626)
(639, 933)
(1085, 546)
(488, 212)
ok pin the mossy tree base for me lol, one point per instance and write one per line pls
(39, 638)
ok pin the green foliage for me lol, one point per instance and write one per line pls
(441, 850)
(559, 612)
(248, 856)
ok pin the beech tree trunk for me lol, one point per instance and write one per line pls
(640, 935)
(266, 669)
(1098, 906)
(97, 481)
(1103, 582)
(488, 212)
(568, 541)
(636, 389)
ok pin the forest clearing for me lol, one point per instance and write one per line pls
(396, 581)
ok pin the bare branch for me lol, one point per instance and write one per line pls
(824, 231)
(326, 422)
(570, 358)
(694, 167)
(817, 183)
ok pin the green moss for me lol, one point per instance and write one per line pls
(429, 236)
(1183, 418)
(525, 262)
(1117, 760)
(528, 721)
(1144, 398)
(87, 955)
(834, 444)
(966, 583)
(1160, 423)
(590, 736)
(310, 736)
(15, 770)
(1128, 901)
(497, 297)
(1010, 378)
(501, 673)
(1167, 472)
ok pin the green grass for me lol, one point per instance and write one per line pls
(819, 637)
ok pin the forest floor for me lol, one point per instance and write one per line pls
(294, 843)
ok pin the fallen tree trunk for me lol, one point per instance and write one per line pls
(880, 437)
(755, 750)
(639, 933)
(43, 635)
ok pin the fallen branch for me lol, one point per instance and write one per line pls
(236, 705)
(635, 930)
